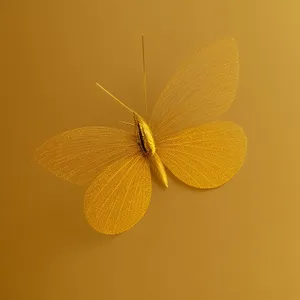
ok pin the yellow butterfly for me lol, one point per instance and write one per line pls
(182, 135)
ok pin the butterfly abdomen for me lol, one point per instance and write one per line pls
(158, 168)
(146, 143)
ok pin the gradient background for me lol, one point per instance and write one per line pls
(237, 242)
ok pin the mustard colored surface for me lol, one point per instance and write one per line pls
(240, 241)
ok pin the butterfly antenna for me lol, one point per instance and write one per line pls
(144, 74)
(107, 92)
(126, 123)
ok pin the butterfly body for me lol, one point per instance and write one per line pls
(147, 146)
(144, 135)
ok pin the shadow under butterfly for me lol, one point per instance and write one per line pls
(182, 135)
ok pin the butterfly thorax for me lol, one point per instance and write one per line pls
(144, 135)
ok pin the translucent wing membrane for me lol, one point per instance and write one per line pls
(206, 156)
(119, 196)
(80, 155)
(199, 92)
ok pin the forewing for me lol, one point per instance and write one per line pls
(206, 156)
(199, 92)
(119, 197)
(80, 155)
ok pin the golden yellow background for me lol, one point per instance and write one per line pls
(240, 241)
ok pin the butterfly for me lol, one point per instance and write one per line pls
(182, 135)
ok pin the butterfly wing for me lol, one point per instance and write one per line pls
(119, 197)
(199, 92)
(201, 154)
(80, 155)
(206, 156)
